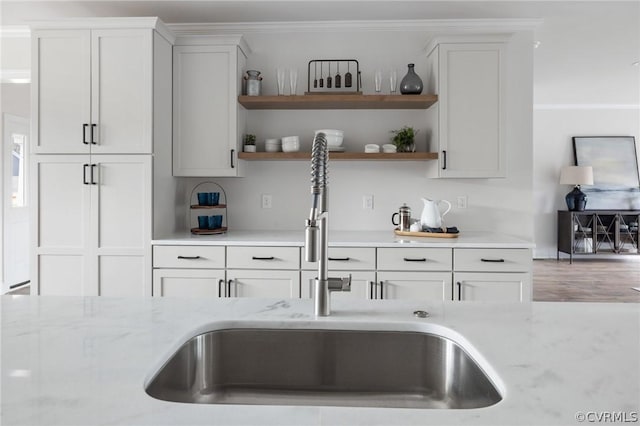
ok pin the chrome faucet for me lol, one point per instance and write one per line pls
(317, 230)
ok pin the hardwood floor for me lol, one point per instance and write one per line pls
(587, 280)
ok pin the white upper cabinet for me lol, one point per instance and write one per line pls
(207, 119)
(92, 91)
(468, 121)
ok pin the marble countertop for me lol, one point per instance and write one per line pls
(84, 361)
(345, 239)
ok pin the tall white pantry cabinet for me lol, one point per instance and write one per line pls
(101, 135)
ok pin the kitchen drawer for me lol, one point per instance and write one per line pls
(347, 259)
(195, 257)
(414, 259)
(263, 257)
(492, 260)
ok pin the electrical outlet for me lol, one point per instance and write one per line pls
(462, 202)
(266, 201)
(367, 202)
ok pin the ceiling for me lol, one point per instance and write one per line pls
(218, 11)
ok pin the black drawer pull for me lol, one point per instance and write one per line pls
(84, 174)
(189, 257)
(492, 260)
(408, 259)
(381, 290)
(340, 259)
(262, 258)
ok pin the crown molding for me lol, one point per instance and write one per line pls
(429, 25)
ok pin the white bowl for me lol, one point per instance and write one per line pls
(389, 148)
(291, 144)
(371, 148)
(334, 137)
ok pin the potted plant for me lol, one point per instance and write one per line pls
(404, 139)
(249, 143)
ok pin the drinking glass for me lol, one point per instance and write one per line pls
(293, 80)
(378, 80)
(393, 81)
(280, 80)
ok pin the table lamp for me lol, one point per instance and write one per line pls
(576, 175)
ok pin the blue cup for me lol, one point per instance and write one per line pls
(203, 199)
(214, 198)
(203, 222)
(215, 222)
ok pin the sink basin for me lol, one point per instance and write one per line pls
(359, 368)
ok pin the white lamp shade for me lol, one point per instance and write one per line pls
(576, 175)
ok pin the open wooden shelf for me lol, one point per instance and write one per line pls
(338, 102)
(398, 156)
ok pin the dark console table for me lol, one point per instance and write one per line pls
(597, 232)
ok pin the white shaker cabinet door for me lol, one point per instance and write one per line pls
(60, 223)
(121, 223)
(206, 115)
(470, 117)
(189, 283)
(263, 283)
(415, 285)
(61, 91)
(121, 91)
(493, 287)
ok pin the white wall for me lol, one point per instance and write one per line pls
(584, 85)
(495, 205)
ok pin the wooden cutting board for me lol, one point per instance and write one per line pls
(425, 234)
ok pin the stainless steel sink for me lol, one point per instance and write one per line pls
(323, 367)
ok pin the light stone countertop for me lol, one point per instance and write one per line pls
(84, 361)
(345, 239)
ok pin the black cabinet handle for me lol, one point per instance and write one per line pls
(381, 290)
(262, 258)
(93, 126)
(189, 257)
(84, 134)
(372, 295)
(232, 152)
(459, 284)
(84, 174)
(93, 182)
(408, 259)
(444, 160)
(228, 289)
(340, 259)
(220, 282)
(492, 260)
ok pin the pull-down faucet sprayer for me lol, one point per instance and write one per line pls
(316, 230)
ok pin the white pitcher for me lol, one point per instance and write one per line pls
(431, 216)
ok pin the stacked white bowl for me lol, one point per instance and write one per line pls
(334, 138)
(389, 148)
(272, 145)
(291, 144)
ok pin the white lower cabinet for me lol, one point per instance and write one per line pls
(415, 285)
(264, 283)
(91, 225)
(492, 274)
(194, 283)
(492, 287)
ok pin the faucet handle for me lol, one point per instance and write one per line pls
(339, 284)
(346, 283)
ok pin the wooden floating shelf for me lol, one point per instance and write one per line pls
(398, 156)
(338, 102)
